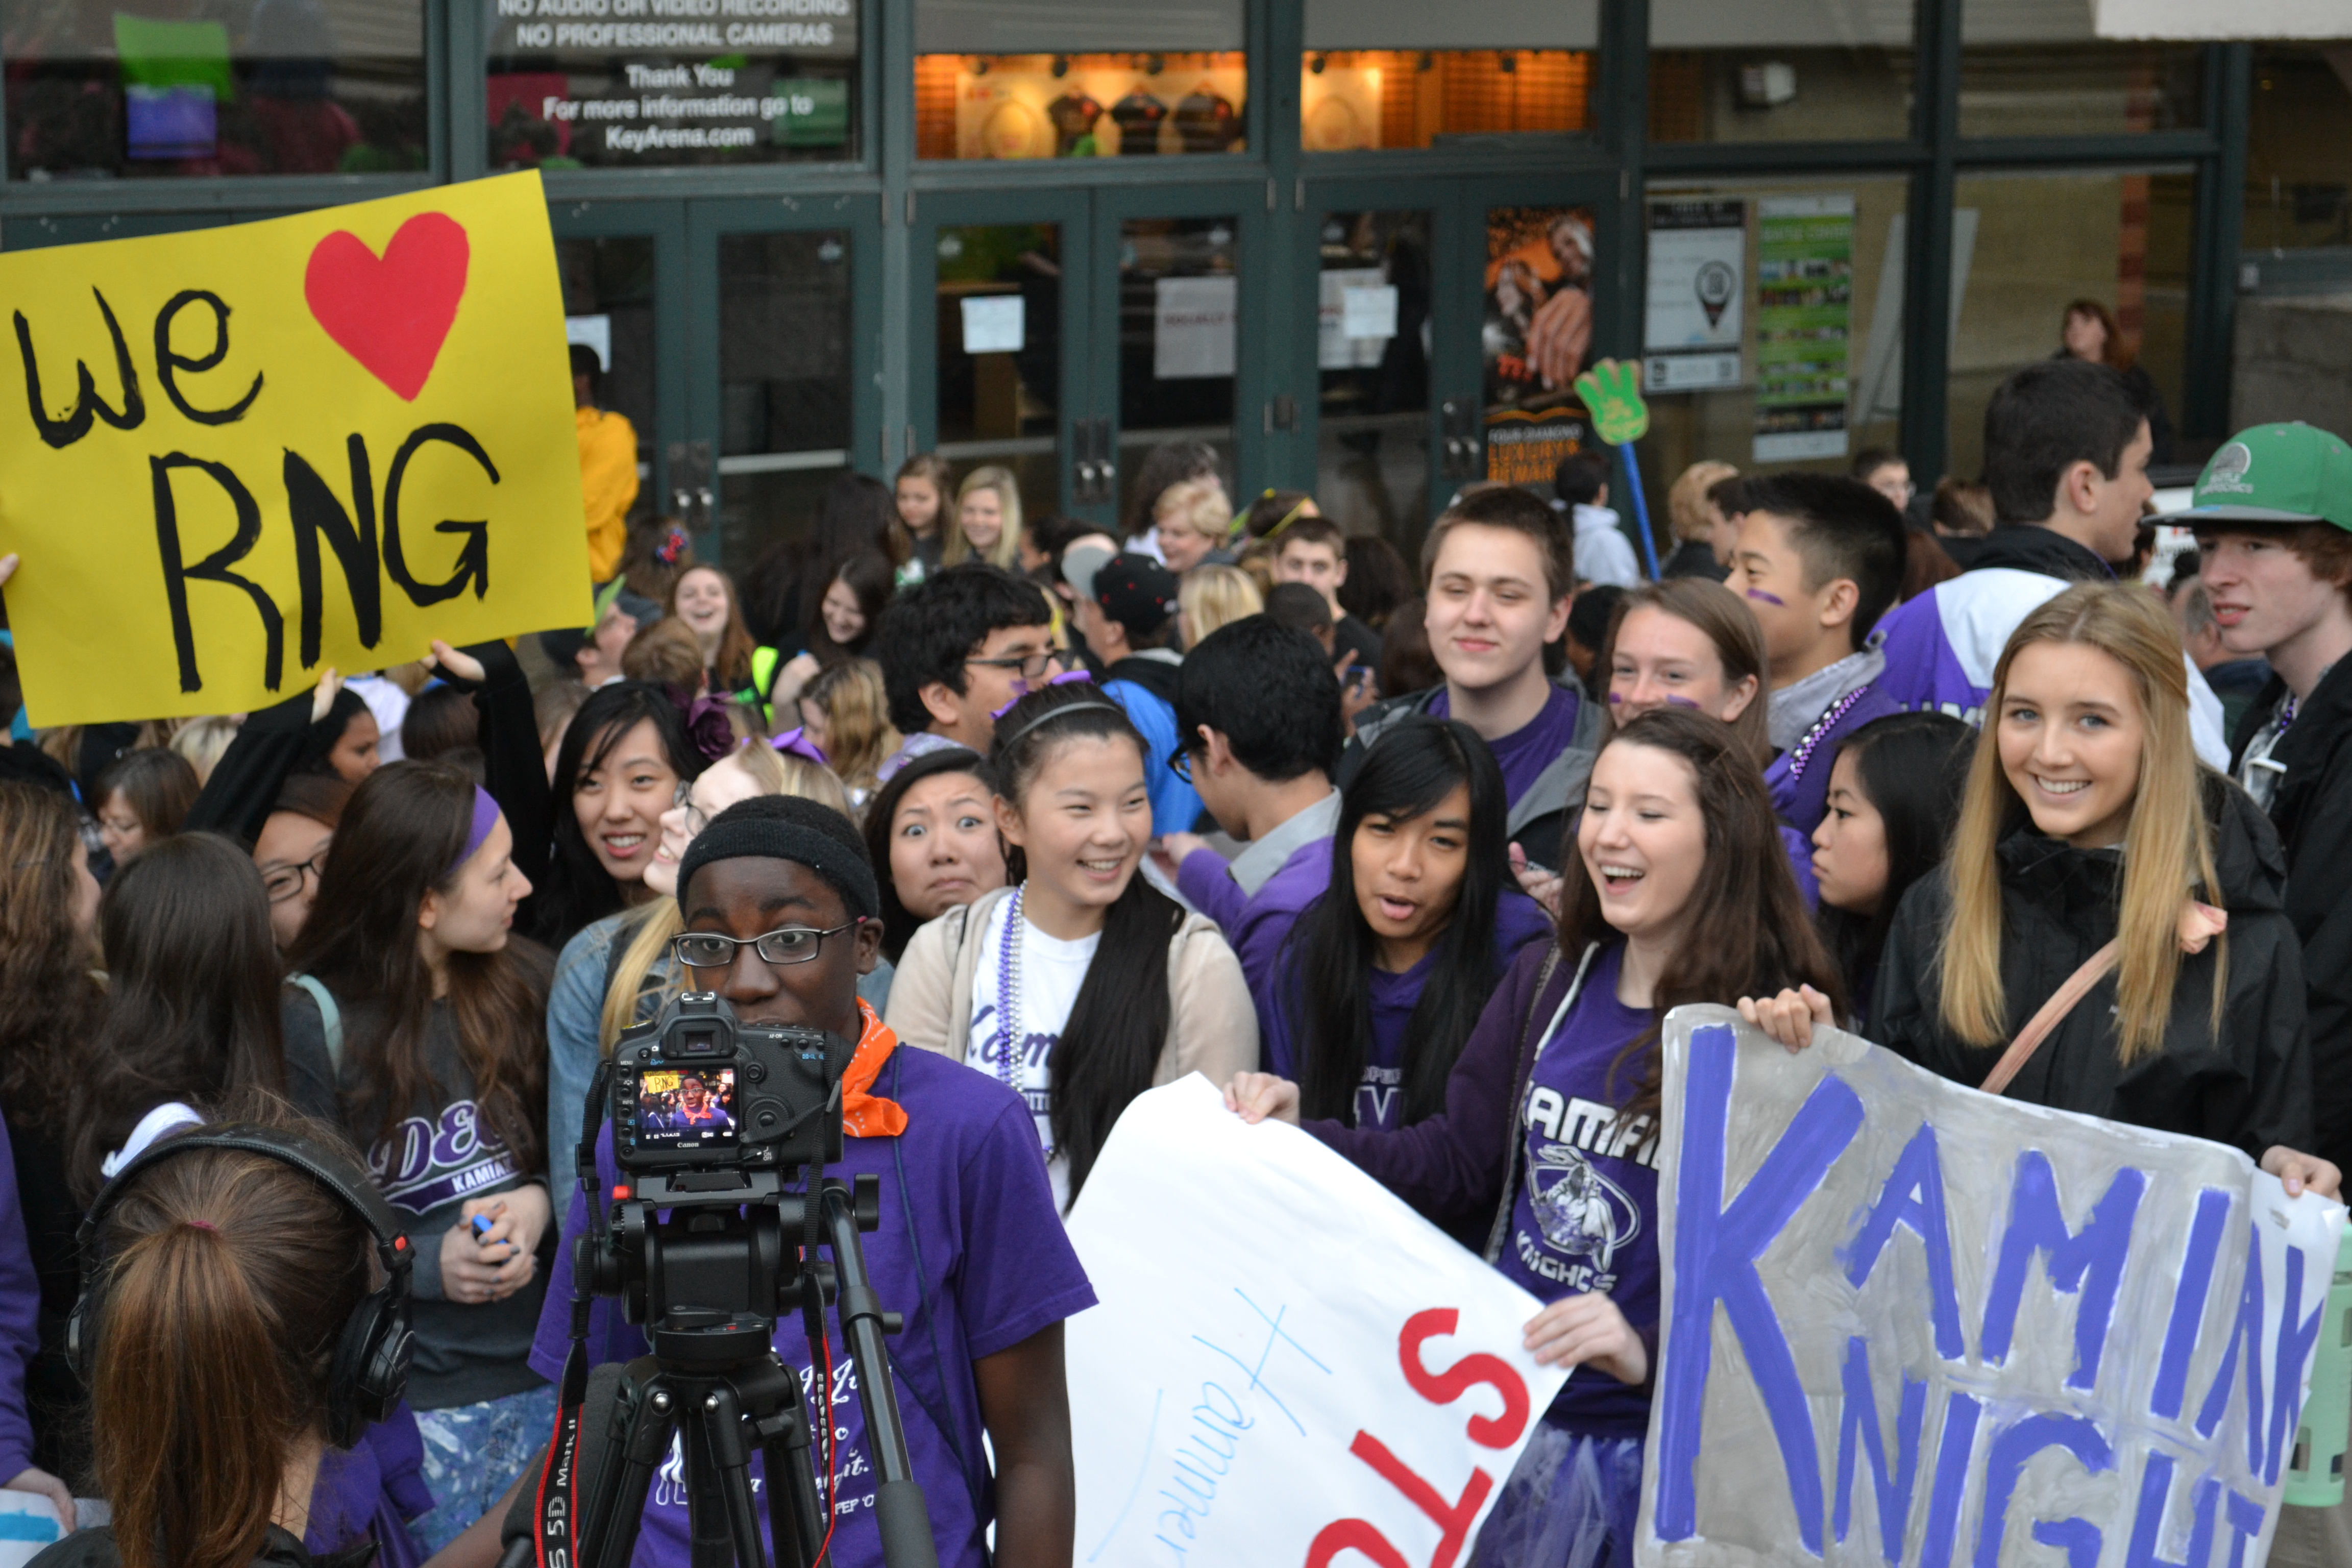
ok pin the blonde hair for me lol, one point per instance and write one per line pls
(2165, 848)
(648, 929)
(1007, 548)
(1686, 501)
(202, 742)
(1198, 506)
(858, 736)
(1214, 597)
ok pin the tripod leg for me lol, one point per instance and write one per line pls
(898, 1509)
(796, 1514)
(720, 1419)
(640, 1435)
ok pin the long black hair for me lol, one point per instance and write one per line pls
(1913, 768)
(191, 995)
(1110, 1047)
(1415, 764)
(579, 890)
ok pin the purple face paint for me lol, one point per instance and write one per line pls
(1616, 698)
(1674, 701)
(1768, 598)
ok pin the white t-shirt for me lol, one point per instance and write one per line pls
(1047, 975)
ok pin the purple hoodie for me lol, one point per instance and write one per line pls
(1800, 792)
(20, 1306)
(1256, 904)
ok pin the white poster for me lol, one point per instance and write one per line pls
(993, 324)
(595, 333)
(1286, 1357)
(1695, 316)
(1192, 327)
(1348, 306)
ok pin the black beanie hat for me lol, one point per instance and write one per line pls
(787, 827)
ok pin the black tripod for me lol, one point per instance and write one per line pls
(714, 1378)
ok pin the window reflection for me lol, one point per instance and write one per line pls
(197, 88)
(1079, 106)
(1356, 99)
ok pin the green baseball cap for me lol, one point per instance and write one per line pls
(2275, 473)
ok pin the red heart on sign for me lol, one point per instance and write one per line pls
(392, 313)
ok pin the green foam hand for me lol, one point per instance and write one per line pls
(1611, 391)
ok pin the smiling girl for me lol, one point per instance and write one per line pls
(987, 523)
(1083, 987)
(1547, 1142)
(618, 770)
(2087, 818)
(1393, 965)
(703, 598)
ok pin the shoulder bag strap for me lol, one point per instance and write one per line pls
(2053, 1013)
(330, 1016)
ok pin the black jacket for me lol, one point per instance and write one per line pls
(2250, 1086)
(1695, 558)
(2312, 813)
(2030, 547)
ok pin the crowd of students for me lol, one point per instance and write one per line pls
(1041, 817)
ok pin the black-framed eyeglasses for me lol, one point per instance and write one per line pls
(1180, 762)
(787, 944)
(1028, 665)
(284, 882)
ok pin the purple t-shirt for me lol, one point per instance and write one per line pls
(1585, 1217)
(1534, 746)
(967, 1185)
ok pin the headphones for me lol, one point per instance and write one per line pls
(370, 1369)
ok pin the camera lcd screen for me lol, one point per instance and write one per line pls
(689, 1108)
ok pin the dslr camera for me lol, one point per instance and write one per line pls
(697, 1094)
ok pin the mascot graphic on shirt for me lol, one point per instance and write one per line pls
(1583, 1214)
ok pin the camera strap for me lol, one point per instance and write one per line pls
(557, 1504)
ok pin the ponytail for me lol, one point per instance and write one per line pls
(229, 1281)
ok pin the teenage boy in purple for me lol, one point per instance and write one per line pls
(1498, 573)
(1258, 729)
(969, 1248)
(1667, 900)
(1819, 558)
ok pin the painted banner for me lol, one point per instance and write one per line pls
(1804, 306)
(1912, 1324)
(1289, 1365)
(232, 456)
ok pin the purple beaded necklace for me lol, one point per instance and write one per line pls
(1008, 1000)
(1803, 751)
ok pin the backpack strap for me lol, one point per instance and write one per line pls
(330, 1015)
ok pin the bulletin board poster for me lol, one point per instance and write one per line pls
(1107, 105)
(1536, 339)
(644, 83)
(1693, 319)
(1805, 309)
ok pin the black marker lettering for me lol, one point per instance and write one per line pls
(64, 433)
(316, 510)
(168, 361)
(474, 559)
(213, 568)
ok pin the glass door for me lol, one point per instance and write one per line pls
(1000, 360)
(1370, 289)
(623, 266)
(1183, 348)
(789, 322)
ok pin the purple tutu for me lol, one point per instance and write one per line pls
(1570, 1502)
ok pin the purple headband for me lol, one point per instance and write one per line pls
(795, 742)
(485, 816)
(1063, 679)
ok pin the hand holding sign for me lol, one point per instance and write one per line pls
(250, 452)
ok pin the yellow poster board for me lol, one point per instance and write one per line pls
(232, 456)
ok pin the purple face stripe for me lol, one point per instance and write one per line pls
(1760, 595)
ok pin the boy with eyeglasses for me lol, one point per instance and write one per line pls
(782, 911)
(954, 650)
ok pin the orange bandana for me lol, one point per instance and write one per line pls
(864, 1115)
